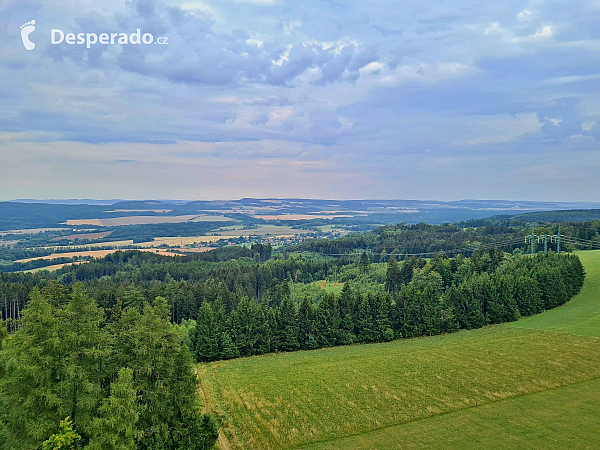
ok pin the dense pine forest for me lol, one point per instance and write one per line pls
(73, 378)
(100, 355)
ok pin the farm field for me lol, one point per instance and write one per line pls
(540, 420)
(122, 243)
(301, 216)
(144, 220)
(532, 383)
(261, 230)
(93, 254)
(52, 267)
(29, 231)
(232, 231)
(90, 236)
(140, 210)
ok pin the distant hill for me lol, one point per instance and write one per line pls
(535, 218)
(365, 214)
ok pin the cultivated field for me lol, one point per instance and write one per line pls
(226, 233)
(52, 267)
(140, 210)
(94, 254)
(302, 216)
(82, 236)
(30, 231)
(123, 243)
(145, 220)
(533, 384)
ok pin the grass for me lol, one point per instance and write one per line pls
(532, 383)
(542, 420)
(582, 314)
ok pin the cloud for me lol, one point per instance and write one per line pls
(372, 95)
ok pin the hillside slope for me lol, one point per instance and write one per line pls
(499, 386)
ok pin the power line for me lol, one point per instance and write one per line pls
(513, 241)
(544, 238)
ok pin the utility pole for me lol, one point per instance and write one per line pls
(531, 239)
(558, 241)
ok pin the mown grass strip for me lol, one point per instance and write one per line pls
(565, 417)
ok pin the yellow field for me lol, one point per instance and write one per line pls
(140, 210)
(261, 230)
(301, 216)
(145, 220)
(93, 254)
(205, 218)
(131, 220)
(53, 267)
(94, 244)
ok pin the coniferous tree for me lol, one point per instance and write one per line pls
(364, 263)
(306, 325)
(393, 280)
(116, 427)
(31, 359)
(207, 335)
(227, 349)
(328, 321)
(288, 326)
(365, 331)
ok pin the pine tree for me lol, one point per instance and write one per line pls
(288, 326)
(392, 279)
(406, 270)
(207, 335)
(306, 325)
(364, 324)
(83, 348)
(133, 297)
(30, 360)
(364, 263)
(227, 348)
(163, 376)
(116, 428)
(347, 336)
(328, 321)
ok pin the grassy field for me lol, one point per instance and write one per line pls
(566, 417)
(582, 314)
(533, 383)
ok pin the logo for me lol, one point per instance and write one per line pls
(58, 36)
(88, 39)
(26, 30)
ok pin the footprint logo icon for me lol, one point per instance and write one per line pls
(26, 30)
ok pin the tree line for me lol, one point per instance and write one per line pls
(421, 298)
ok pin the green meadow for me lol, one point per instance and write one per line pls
(532, 383)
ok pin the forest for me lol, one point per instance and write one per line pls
(73, 378)
(101, 355)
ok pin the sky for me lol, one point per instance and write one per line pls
(316, 99)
